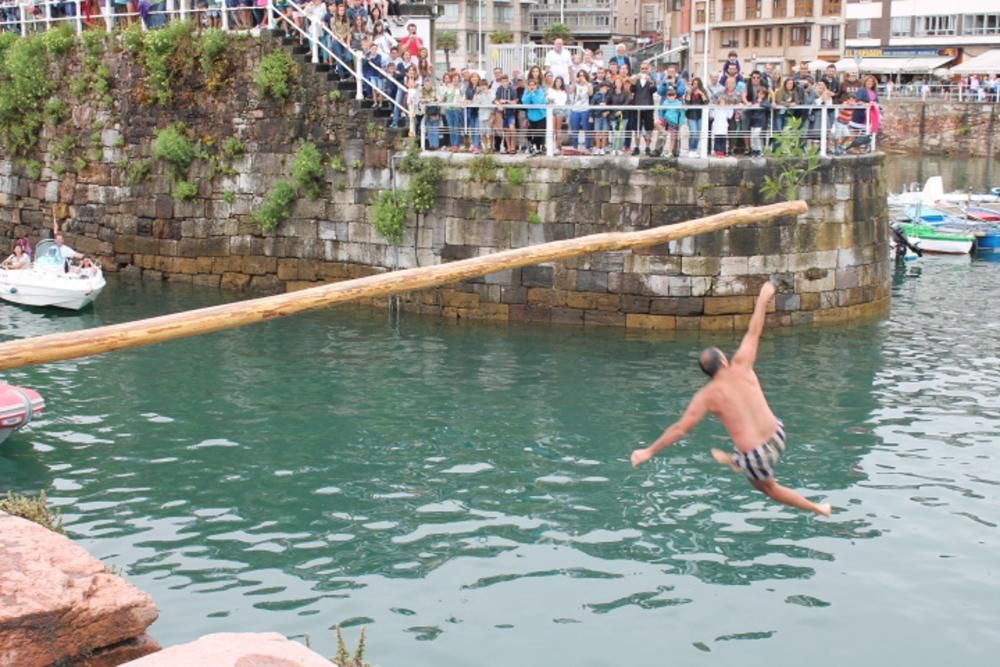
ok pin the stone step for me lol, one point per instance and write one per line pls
(300, 49)
(322, 67)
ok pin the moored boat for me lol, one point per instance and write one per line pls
(939, 240)
(18, 406)
(47, 282)
(982, 214)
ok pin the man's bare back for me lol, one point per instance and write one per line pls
(735, 397)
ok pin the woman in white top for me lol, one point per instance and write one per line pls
(17, 260)
(579, 98)
(557, 97)
(383, 40)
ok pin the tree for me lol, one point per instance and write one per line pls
(447, 42)
(501, 37)
(558, 31)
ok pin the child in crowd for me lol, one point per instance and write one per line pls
(758, 118)
(842, 126)
(720, 127)
(432, 113)
(373, 59)
(671, 118)
(414, 105)
(600, 118)
(483, 101)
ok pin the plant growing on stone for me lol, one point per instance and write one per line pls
(25, 87)
(276, 206)
(59, 168)
(274, 76)
(214, 62)
(337, 164)
(307, 169)
(63, 146)
(483, 168)
(132, 39)
(389, 216)
(137, 172)
(33, 169)
(534, 218)
(56, 111)
(32, 509)
(796, 160)
(344, 658)
(79, 164)
(185, 190)
(58, 41)
(93, 42)
(514, 174)
(173, 146)
(229, 197)
(167, 54)
(336, 95)
(425, 174)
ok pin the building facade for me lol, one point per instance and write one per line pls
(593, 23)
(475, 21)
(780, 32)
(917, 37)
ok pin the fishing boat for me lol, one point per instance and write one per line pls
(933, 193)
(982, 214)
(18, 406)
(929, 215)
(939, 240)
(47, 282)
(989, 240)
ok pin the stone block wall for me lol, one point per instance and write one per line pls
(939, 127)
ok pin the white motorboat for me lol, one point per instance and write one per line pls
(47, 282)
(933, 193)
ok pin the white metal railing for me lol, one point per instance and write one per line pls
(510, 57)
(41, 15)
(940, 91)
(622, 134)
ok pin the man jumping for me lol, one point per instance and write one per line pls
(735, 397)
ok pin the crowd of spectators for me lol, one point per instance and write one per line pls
(591, 103)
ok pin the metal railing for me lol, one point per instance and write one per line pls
(510, 57)
(940, 91)
(581, 129)
(42, 15)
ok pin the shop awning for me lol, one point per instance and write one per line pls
(988, 63)
(923, 65)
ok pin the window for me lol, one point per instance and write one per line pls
(781, 37)
(729, 39)
(981, 24)
(800, 35)
(699, 13)
(728, 10)
(779, 9)
(450, 14)
(864, 28)
(935, 25)
(803, 8)
(470, 42)
(503, 14)
(699, 42)
(829, 36)
(472, 11)
(602, 21)
(754, 9)
(767, 37)
(650, 17)
(831, 7)
(756, 38)
(901, 26)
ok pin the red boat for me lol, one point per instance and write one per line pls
(18, 406)
(983, 214)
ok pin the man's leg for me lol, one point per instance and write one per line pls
(786, 496)
(725, 459)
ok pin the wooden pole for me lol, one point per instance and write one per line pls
(70, 345)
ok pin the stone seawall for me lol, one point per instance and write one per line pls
(936, 127)
(833, 260)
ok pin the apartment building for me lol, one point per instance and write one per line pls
(594, 23)
(780, 32)
(473, 21)
(920, 36)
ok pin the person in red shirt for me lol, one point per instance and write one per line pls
(412, 43)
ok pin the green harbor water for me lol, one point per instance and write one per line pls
(464, 491)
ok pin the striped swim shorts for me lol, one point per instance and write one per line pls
(758, 464)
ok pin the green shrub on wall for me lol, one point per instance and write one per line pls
(307, 169)
(166, 55)
(185, 190)
(389, 216)
(172, 145)
(274, 77)
(277, 206)
(25, 87)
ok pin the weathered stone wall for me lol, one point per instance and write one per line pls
(832, 259)
(936, 127)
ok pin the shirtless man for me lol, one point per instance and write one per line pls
(735, 397)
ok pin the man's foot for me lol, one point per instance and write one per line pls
(725, 459)
(824, 509)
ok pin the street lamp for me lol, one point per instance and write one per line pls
(708, 10)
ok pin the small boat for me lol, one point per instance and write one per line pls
(982, 214)
(928, 215)
(989, 240)
(938, 239)
(48, 283)
(933, 193)
(18, 406)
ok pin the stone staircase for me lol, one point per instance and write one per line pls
(347, 86)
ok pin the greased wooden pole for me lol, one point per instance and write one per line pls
(70, 345)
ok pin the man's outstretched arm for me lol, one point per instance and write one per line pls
(695, 412)
(747, 354)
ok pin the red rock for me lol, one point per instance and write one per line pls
(235, 649)
(58, 602)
